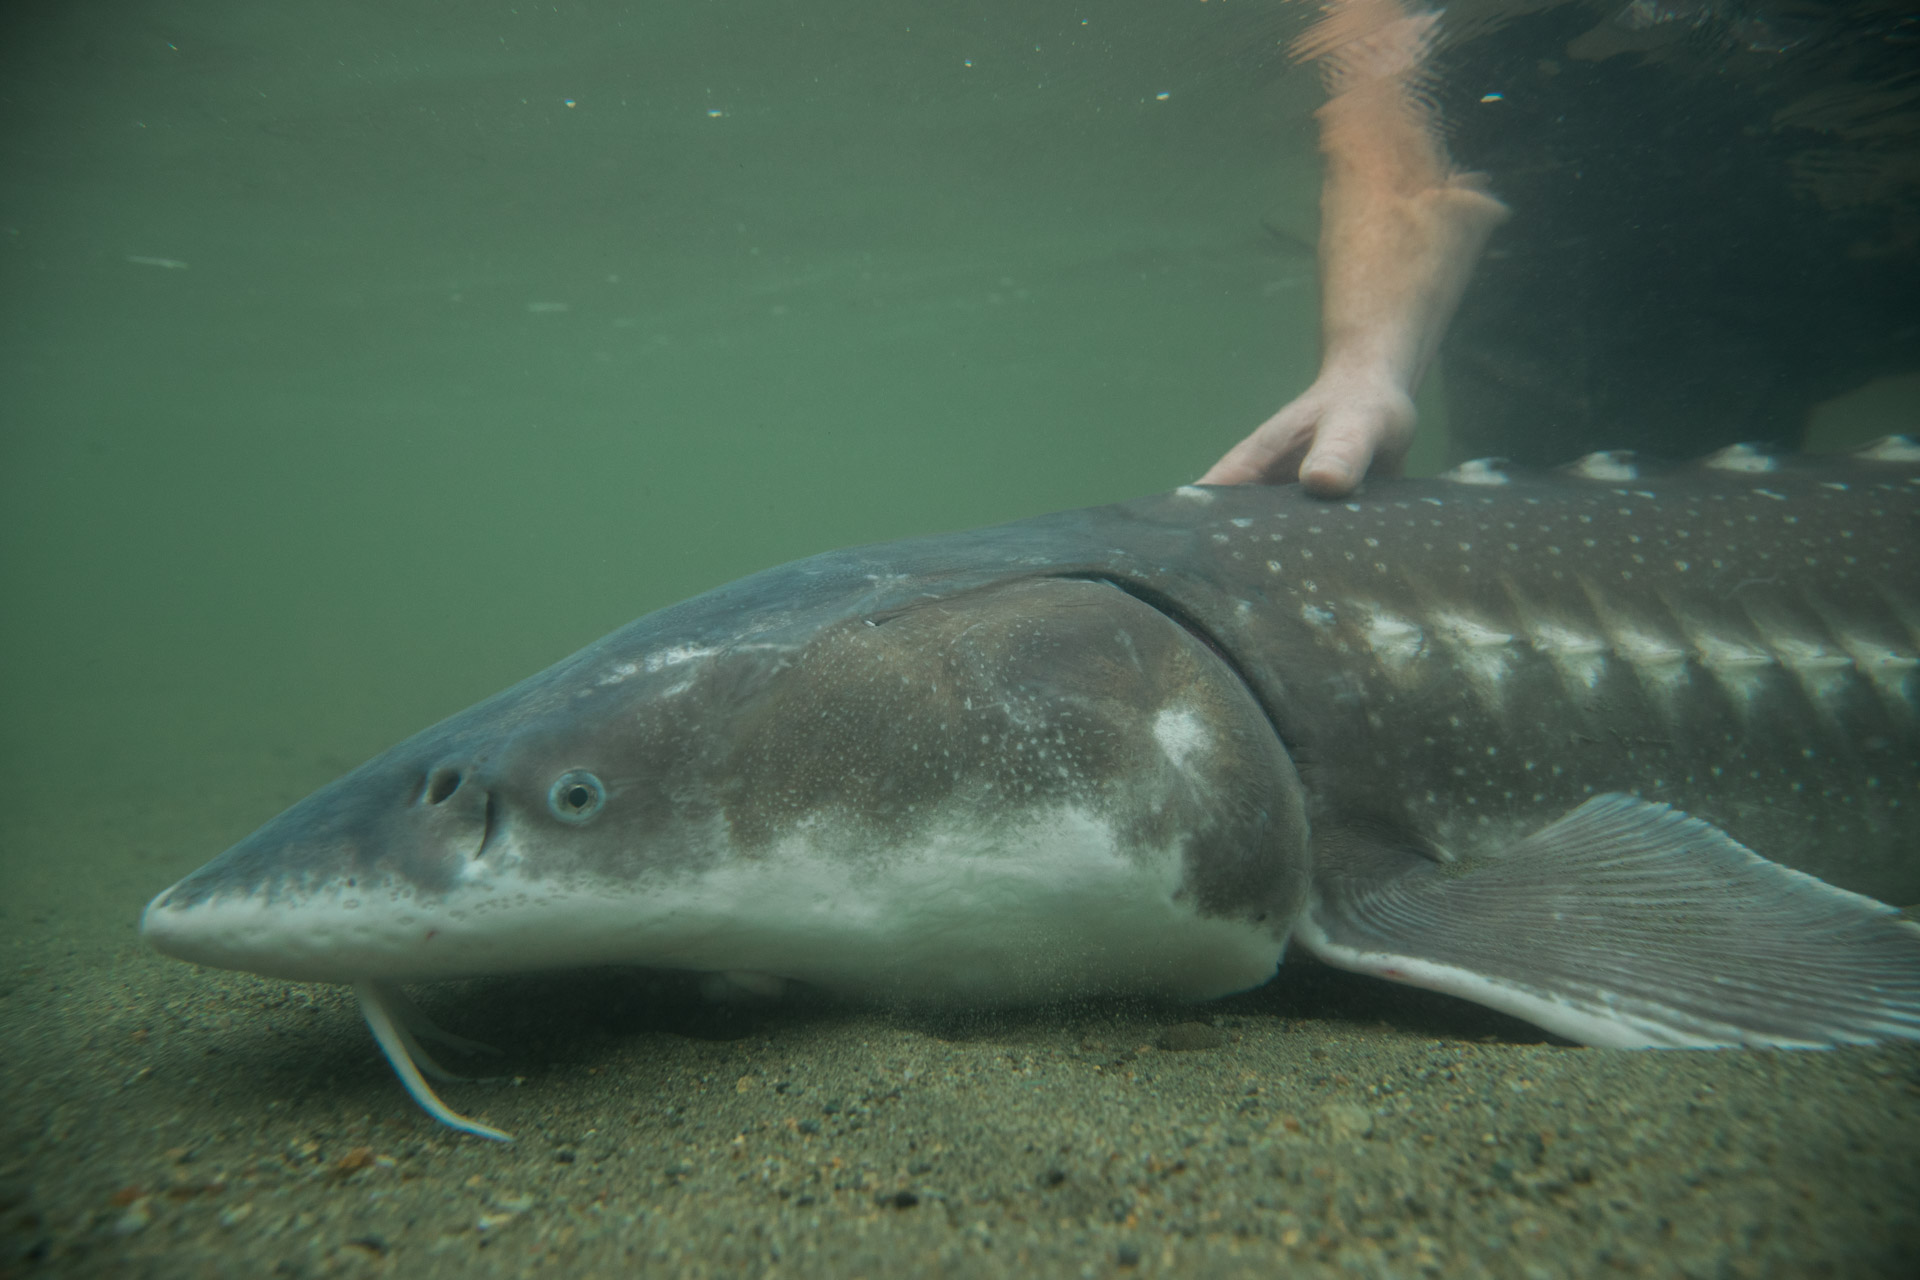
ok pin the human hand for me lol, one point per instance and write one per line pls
(1327, 439)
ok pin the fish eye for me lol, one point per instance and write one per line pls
(576, 796)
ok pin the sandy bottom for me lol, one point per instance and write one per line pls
(165, 1121)
(461, 377)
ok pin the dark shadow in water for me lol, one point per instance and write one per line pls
(1311, 992)
(293, 1050)
(564, 1017)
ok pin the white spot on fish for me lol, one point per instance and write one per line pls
(1181, 734)
(1659, 662)
(673, 656)
(1482, 652)
(1887, 667)
(1739, 667)
(1193, 493)
(1477, 471)
(1891, 449)
(1740, 457)
(1607, 465)
(1396, 642)
(1579, 656)
(1822, 672)
(1462, 630)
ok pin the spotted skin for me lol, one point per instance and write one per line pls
(1465, 662)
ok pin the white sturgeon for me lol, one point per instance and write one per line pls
(1631, 753)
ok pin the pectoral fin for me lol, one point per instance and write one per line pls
(1630, 925)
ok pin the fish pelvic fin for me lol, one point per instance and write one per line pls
(378, 1005)
(1627, 924)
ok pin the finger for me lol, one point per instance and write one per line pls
(1270, 455)
(1244, 466)
(1337, 462)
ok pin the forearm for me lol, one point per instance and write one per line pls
(1393, 270)
(1400, 228)
(1400, 232)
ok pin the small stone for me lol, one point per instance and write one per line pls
(353, 1162)
(1127, 1255)
(1053, 1177)
(513, 1202)
(1186, 1037)
(902, 1200)
(138, 1217)
(1347, 1119)
(233, 1215)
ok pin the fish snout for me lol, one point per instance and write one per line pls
(344, 883)
(160, 923)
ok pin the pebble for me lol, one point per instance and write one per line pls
(1186, 1037)
(138, 1216)
(1347, 1119)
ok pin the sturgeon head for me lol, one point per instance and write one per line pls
(980, 786)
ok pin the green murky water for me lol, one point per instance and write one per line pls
(357, 363)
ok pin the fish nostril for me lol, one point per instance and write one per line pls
(442, 783)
